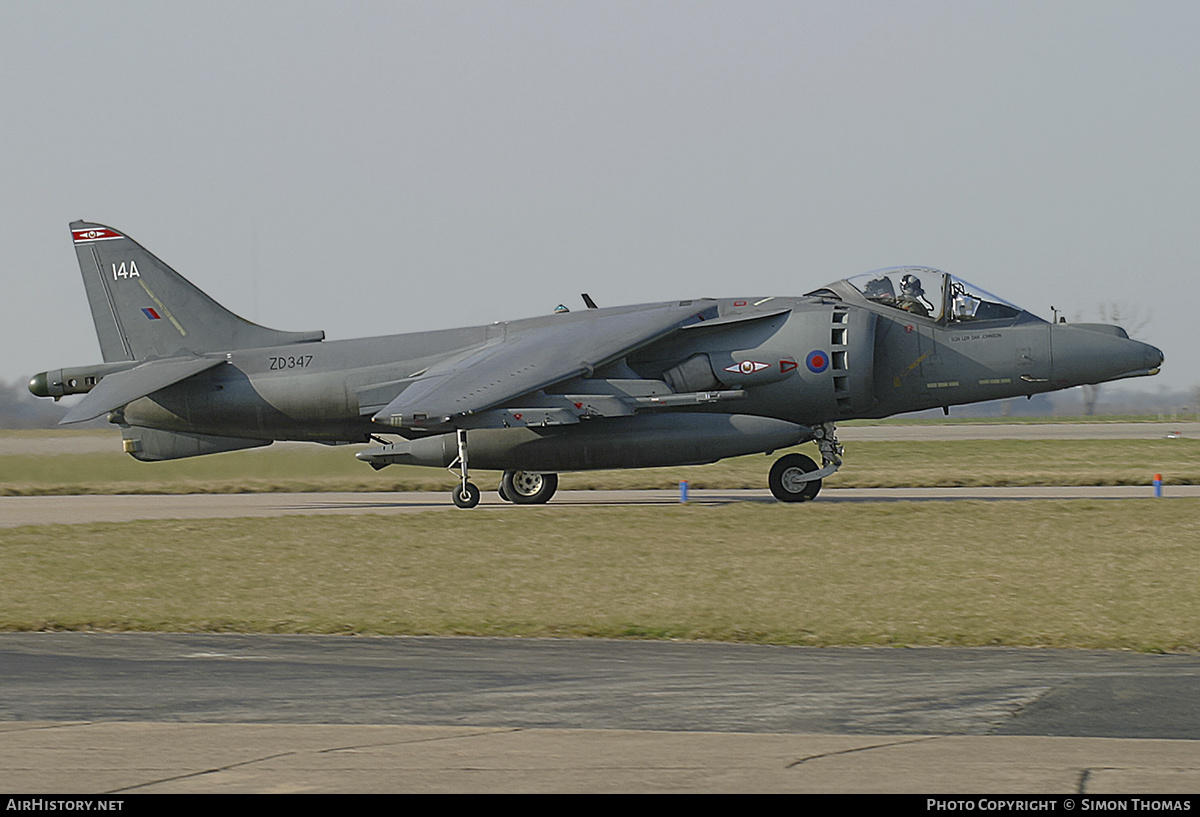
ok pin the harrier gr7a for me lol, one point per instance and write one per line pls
(675, 383)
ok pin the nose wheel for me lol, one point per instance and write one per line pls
(788, 479)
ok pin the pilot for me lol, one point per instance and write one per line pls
(912, 296)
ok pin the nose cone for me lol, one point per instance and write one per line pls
(39, 386)
(1097, 353)
(1154, 358)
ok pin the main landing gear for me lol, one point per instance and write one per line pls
(527, 487)
(793, 477)
(518, 487)
(796, 478)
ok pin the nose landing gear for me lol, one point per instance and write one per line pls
(789, 479)
(796, 478)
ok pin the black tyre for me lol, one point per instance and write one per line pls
(466, 496)
(528, 488)
(784, 483)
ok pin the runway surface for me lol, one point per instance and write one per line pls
(41, 510)
(125, 713)
(596, 684)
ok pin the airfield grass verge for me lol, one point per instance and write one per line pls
(873, 464)
(1095, 574)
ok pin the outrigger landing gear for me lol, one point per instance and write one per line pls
(796, 478)
(465, 494)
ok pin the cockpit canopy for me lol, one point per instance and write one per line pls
(933, 294)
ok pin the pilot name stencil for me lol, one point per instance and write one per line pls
(976, 336)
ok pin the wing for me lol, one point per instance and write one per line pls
(117, 389)
(530, 359)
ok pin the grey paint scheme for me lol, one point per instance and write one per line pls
(652, 384)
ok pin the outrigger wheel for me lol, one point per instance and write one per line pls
(786, 479)
(466, 495)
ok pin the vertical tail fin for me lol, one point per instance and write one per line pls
(142, 308)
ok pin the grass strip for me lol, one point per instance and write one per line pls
(1052, 573)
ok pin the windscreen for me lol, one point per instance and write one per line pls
(932, 294)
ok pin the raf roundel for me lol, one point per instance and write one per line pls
(817, 361)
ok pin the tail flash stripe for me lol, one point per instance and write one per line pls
(94, 234)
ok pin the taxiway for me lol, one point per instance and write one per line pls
(128, 713)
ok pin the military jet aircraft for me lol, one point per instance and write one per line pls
(682, 382)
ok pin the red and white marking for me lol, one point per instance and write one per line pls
(747, 367)
(94, 234)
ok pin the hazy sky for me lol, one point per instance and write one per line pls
(379, 167)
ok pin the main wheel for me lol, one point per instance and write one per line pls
(528, 488)
(784, 483)
(466, 495)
